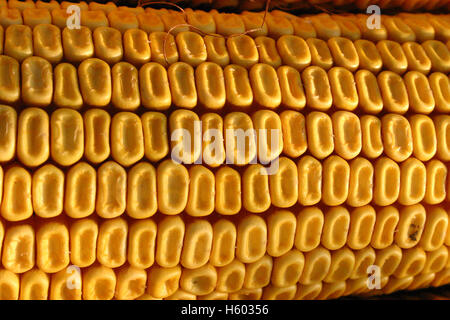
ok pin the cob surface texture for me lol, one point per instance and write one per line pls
(93, 207)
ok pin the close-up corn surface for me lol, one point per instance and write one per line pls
(123, 174)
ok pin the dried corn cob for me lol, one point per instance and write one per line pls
(365, 125)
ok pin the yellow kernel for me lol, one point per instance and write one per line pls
(47, 42)
(360, 189)
(412, 181)
(99, 283)
(52, 246)
(424, 137)
(436, 179)
(182, 85)
(8, 131)
(393, 57)
(335, 228)
(310, 180)
(18, 254)
(370, 99)
(131, 283)
(163, 282)
(435, 229)
(136, 49)
(127, 138)
(154, 87)
(142, 243)
(251, 239)
(369, 57)
(112, 243)
(77, 44)
(141, 191)
(268, 52)
(228, 191)
(95, 82)
(387, 182)
(347, 134)
(237, 85)
(34, 285)
(191, 48)
(320, 53)
(210, 83)
(83, 242)
(111, 190)
(201, 191)
(197, 244)
(294, 52)
(410, 226)
(108, 44)
(258, 273)
(344, 53)
(9, 80)
(18, 42)
(281, 225)
(393, 91)
(317, 88)
(37, 82)
(255, 187)
(172, 186)
(33, 137)
(397, 137)
(385, 226)
(96, 131)
(341, 267)
(336, 176)
(80, 191)
(223, 243)
(67, 136)
(48, 191)
(199, 281)
(67, 90)
(309, 229)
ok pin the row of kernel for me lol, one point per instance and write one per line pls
(400, 28)
(313, 270)
(323, 290)
(292, 134)
(358, 287)
(108, 44)
(172, 189)
(237, 138)
(335, 277)
(123, 86)
(320, 239)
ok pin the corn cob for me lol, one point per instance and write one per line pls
(364, 186)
